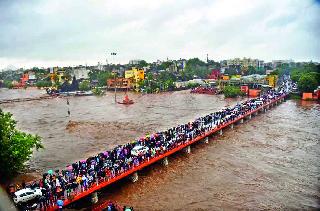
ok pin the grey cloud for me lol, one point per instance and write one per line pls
(87, 30)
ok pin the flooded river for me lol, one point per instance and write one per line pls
(270, 162)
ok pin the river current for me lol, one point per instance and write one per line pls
(269, 162)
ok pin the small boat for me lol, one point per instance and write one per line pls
(126, 101)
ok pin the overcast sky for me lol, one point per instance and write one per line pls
(70, 32)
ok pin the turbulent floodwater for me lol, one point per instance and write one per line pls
(270, 162)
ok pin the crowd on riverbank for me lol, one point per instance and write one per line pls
(81, 175)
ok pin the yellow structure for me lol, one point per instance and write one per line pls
(57, 75)
(225, 77)
(272, 80)
(135, 75)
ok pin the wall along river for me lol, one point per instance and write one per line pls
(270, 162)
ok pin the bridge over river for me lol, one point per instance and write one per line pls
(271, 162)
(132, 173)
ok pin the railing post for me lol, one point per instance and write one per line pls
(134, 177)
(94, 198)
(187, 149)
(165, 161)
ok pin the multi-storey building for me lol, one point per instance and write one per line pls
(245, 62)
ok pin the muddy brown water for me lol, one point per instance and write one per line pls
(270, 162)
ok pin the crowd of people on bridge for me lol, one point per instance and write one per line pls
(82, 175)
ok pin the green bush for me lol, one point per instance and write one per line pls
(192, 85)
(8, 84)
(97, 91)
(232, 91)
(295, 97)
(84, 86)
(41, 84)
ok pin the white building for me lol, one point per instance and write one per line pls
(277, 63)
(80, 73)
(135, 62)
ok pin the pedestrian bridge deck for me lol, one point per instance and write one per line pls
(142, 165)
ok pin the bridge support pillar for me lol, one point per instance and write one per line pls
(165, 161)
(94, 198)
(220, 132)
(206, 140)
(134, 177)
(241, 121)
(231, 126)
(187, 149)
(249, 116)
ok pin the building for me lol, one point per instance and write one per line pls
(260, 63)
(119, 83)
(278, 63)
(272, 80)
(135, 75)
(28, 78)
(24, 79)
(215, 74)
(81, 73)
(268, 71)
(135, 62)
(245, 62)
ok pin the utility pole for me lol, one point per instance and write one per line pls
(115, 87)
(115, 81)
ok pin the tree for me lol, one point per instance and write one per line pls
(16, 146)
(195, 67)
(142, 64)
(232, 91)
(307, 83)
(100, 76)
(43, 83)
(84, 86)
(251, 70)
(231, 71)
(307, 76)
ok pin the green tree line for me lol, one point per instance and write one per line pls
(306, 76)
